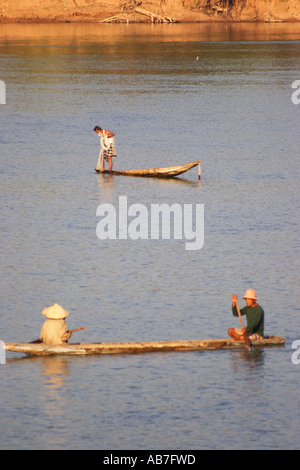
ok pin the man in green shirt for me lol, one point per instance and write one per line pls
(255, 318)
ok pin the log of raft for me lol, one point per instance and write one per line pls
(165, 172)
(138, 347)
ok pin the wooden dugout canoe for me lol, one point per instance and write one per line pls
(166, 172)
(138, 347)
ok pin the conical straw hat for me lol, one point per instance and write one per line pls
(55, 312)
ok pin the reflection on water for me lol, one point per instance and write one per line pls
(248, 362)
(80, 34)
(53, 370)
(55, 398)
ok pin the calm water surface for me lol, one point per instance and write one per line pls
(219, 93)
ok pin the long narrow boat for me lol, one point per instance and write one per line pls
(165, 172)
(139, 347)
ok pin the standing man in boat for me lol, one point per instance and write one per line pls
(255, 318)
(107, 149)
(54, 331)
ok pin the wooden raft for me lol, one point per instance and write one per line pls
(164, 172)
(138, 347)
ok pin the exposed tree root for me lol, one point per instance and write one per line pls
(133, 7)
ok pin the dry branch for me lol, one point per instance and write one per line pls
(133, 7)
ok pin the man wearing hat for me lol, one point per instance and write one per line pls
(54, 331)
(255, 318)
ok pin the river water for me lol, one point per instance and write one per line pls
(173, 94)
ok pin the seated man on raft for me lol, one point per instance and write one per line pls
(54, 331)
(255, 318)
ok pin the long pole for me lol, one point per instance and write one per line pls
(246, 339)
(78, 329)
